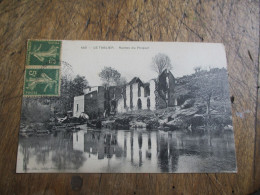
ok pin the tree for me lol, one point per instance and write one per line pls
(78, 84)
(110, 76)
(212, 85)
(121, 81)
(197, 69)
(69, 89)
(160, 63)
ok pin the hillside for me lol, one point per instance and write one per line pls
(203, 104)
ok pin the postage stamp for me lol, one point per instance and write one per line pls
(41, 81)
(43, 53)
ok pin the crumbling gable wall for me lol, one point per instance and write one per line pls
(152, 97)
(128, 97)
(165, 90)
(171, 90)
(135, 95)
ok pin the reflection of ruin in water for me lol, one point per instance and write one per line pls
(102, 144)
(106, 144)
(135, 150)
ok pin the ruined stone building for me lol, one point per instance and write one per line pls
(103, 101)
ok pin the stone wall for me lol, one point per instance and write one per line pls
(91, 104)
(128, 91)
(135, 95)
(101, 99)
(95, 103)
(152, 95)
(78, 106)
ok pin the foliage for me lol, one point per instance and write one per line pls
(35, 111)
(78, 84)
(212, 86)
(122, 81)
(197, 69)
(70, 89)
(160, 63)
(42, 109)
(110, 76)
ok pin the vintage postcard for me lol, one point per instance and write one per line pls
(125, 107)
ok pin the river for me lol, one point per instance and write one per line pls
(128, 151)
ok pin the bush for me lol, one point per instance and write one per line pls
(152, 124)
(122, 123)
(221, 120)
(36, 112)
(196, 120)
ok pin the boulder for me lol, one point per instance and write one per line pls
(185, 112)
(137, 124)
(228, 128)
(108, 124)
(185, 95)
(188, 103)
(163, 121)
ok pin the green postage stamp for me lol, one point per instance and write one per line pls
(41, 81)
(42, 71)
(43, 53)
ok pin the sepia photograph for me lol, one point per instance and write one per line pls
(125, 107)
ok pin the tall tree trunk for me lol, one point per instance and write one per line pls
(208, 112)
(208, 105)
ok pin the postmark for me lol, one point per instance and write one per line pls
(43, 53)
(42, 82)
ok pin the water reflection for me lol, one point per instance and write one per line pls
(126, 151)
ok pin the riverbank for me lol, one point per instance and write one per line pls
(189, 119)
(192, 119)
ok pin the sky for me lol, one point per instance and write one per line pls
(134, 59)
